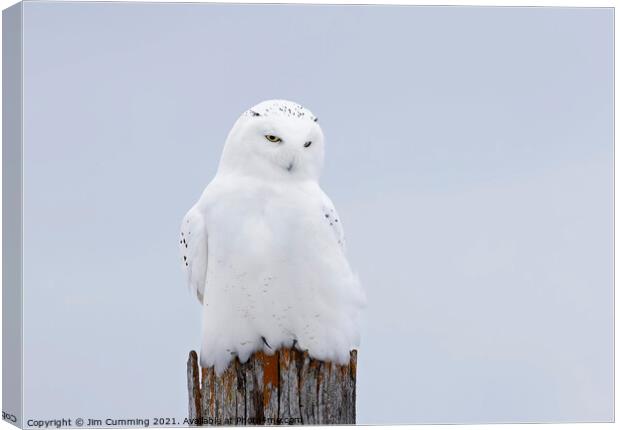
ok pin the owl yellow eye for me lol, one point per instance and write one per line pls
(272, 138)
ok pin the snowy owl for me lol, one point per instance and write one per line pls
(263, 248)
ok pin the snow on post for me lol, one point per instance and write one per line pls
(288, 387)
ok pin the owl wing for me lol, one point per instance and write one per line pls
(193, 248)
(333, 220)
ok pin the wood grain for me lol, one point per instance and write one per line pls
(287, 387)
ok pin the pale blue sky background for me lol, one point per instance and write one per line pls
(469, 154)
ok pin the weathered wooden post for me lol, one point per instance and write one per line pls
(287, 387)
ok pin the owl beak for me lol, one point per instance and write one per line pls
(290, 166)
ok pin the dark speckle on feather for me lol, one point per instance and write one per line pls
(279, 107)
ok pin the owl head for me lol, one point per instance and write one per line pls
(276, 139)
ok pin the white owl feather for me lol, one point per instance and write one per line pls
(263, 248)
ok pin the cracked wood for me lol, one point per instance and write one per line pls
(287, 387)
